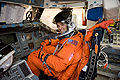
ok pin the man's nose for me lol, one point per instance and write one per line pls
(59, 27)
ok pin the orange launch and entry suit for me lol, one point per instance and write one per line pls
(64, 62)
(68, 61)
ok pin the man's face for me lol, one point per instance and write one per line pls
(61, 27)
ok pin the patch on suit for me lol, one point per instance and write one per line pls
(74, 42)
(70, 57)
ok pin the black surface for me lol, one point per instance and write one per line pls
(24, 69)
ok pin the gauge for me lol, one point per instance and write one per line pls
(28, 36)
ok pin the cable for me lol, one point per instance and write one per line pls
(102, 62)
(105, 61)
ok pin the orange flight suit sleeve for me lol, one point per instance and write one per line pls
(49, 49)
(68, 73)
(49, 46)
(54, 42)
(64, 58)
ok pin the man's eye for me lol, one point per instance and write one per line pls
(58, 26)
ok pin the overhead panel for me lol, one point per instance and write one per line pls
(67, 3)
(39, 3)
(46, 3)
(80, 4)
(68, 0)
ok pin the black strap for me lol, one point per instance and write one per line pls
(45, 58)
(92, 65)
(42, 56)
(39, 54)
(40, 51)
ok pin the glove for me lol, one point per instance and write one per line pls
(44, 56)
(43, 44)
(46, 42)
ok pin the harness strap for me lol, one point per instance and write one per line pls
(40, 51)
(45, 58)
(92, 65)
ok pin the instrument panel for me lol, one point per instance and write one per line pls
(19, 71)
(25, 42)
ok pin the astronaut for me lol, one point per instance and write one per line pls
(59, 62)
(62, 58)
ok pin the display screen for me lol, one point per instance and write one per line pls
(5, 50)
(24, 69)
(8, 38)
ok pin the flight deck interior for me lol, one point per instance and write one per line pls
(24, 24)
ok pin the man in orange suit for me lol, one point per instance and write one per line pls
(59, 62)
(62, 58)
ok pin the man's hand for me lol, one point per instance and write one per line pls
(46, 42)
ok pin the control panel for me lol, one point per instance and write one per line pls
(111, 47)
(115, 38)
(19, 71)
(25, 42)
(28, 42)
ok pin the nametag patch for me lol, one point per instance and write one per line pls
(74, 42)
(85, 68)
(70, 57)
